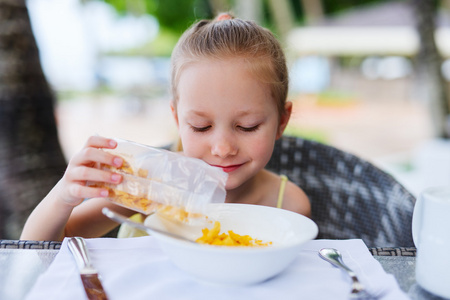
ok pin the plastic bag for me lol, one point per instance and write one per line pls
(167, 182)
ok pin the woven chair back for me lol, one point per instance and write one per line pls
(350, 197)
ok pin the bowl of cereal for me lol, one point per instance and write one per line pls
(237, 244)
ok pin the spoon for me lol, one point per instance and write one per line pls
(124, 220)
(334, 257)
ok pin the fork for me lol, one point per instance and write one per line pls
(334, 257)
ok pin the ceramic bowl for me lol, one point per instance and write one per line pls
(237, 265)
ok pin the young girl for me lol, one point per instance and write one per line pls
(229, 85)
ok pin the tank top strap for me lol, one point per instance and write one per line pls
(126, 231)
(284, 179)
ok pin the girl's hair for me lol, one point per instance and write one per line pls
(227, 37)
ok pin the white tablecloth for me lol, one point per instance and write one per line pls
(136, 268)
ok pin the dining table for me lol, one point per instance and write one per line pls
(23, 261)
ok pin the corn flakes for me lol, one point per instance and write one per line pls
(213, 237)
(140, 203)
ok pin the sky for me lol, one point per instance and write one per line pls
(70, 37)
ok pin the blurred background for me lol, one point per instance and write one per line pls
(367, 76)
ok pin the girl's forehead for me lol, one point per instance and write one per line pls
(217, 63)
(233, 71)
(245, 63)
(220, 79)
(223, 85)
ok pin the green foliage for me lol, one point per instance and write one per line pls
(178, 15)
(308, 134)
(174, 15)
(333, 6)
(163, 44)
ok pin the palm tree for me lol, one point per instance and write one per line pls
(31, 159)
(429, 61)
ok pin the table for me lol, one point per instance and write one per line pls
(21, 263)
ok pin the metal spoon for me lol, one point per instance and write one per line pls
(124, 220)
(334, 257)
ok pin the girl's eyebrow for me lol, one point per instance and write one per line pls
(196, 112)
(241, 113)
(244, 113)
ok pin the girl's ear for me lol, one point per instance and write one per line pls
(174, 112)
(284, 120)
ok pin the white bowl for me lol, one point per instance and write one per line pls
(237, 265)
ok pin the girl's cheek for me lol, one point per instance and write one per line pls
(192, 146)
(263, 146)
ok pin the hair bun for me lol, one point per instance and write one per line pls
(224, 16)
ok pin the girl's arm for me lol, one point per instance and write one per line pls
(63, 212)
(48, 219)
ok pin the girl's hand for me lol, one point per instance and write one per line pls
(82, 168)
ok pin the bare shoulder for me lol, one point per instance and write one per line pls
(296, 200)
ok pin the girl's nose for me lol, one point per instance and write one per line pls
(224, 147)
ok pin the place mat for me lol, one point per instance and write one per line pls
(24, 244)
(393, 251)
(137, 268)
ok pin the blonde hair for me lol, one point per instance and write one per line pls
(227, 37)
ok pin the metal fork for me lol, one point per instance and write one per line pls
(334, 257)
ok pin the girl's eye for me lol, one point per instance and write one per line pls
(200, 129)
(249, 129)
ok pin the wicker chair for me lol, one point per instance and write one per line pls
(350, 197)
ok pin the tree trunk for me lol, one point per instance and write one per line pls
(431, 84)
(31, 159)
(219, 6)
(313, 10)
(283, 17)
(249, 10)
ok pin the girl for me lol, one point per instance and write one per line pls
(229, 85)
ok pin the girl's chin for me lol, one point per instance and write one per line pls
(231, 185)
(234, 183)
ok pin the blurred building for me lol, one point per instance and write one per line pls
(382, 36)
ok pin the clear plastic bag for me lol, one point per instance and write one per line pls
(167, 182)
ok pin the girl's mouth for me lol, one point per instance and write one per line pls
(229, 169)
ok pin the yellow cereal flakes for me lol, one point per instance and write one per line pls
(139, 203)
(214, 237)
(125, 168)
(148, 206)
(142, 173)
(177, 213)
(131, 201)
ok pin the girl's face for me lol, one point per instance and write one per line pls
(227, 118)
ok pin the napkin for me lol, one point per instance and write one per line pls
(136, 268)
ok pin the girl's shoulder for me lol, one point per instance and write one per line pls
(293, 198)
(296, 200)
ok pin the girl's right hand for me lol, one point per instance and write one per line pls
(83, 167)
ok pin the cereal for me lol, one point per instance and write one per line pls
(213, 237)
(131, 201)
(139, 203)
(142, 173)
(154, 179)
(177, 213)
(126, 199)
